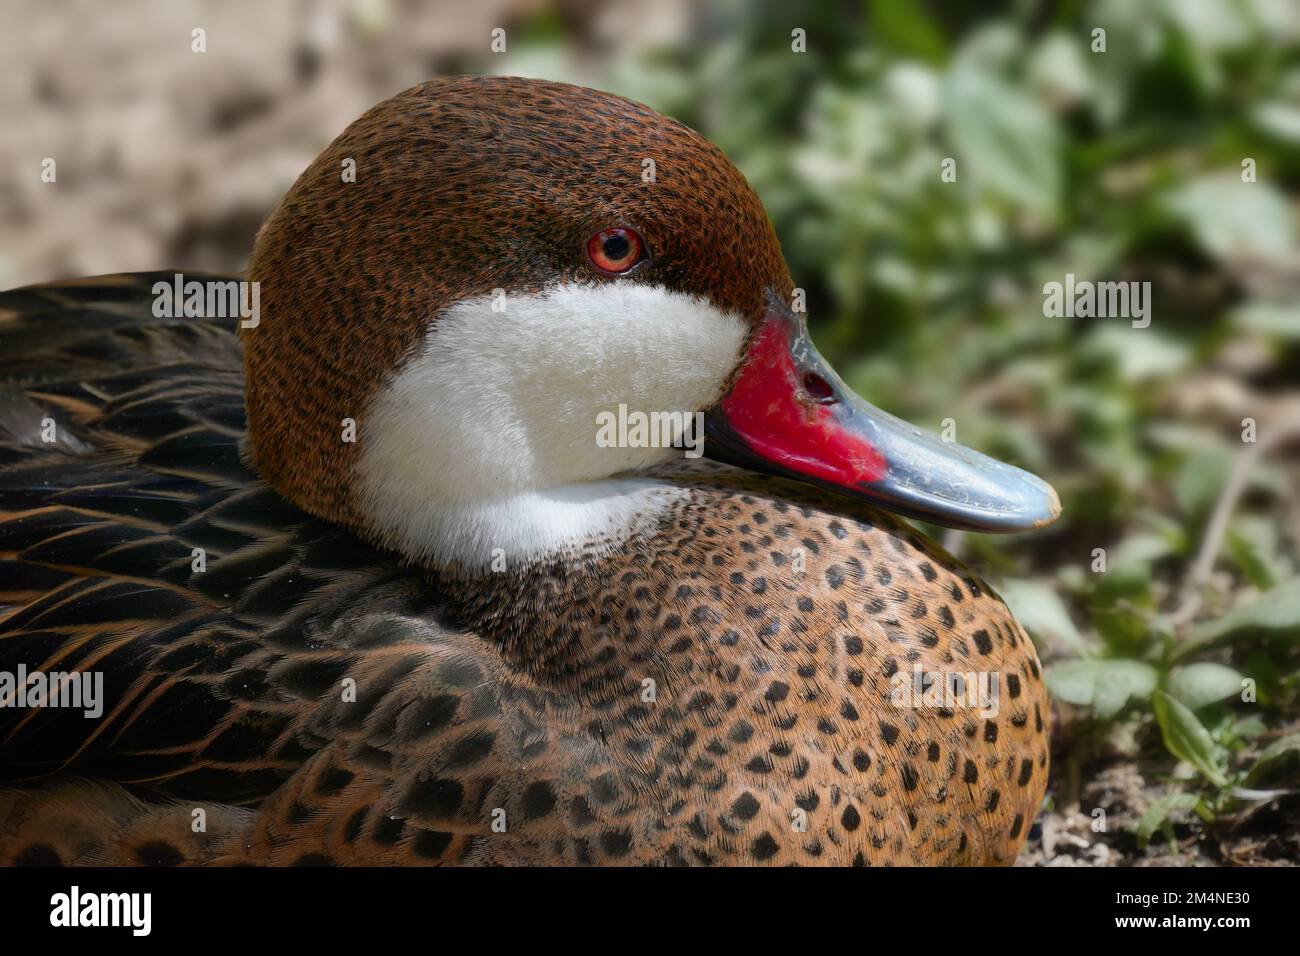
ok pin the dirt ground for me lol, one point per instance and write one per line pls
(1094, 804)
(166, 157)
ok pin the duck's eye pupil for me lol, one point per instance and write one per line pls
(616, 251)
(616, 247)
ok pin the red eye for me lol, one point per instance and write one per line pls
(615, 251)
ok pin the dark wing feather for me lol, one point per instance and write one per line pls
(222, 687)
(98, 539)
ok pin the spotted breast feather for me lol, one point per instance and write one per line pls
(274, 690)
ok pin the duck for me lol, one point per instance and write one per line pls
(362, 584)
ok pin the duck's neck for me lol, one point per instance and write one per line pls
(589, 620)
(716, 579)
(541, 528)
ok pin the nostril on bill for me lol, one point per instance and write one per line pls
(818, 389)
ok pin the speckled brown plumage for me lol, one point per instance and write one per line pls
(518, 692)
(716, 692)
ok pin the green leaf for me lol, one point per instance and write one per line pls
(1279, 120)
(1273, 754)
(1104, 685)
(1036, 605)
(1198, 482)
(1252, 542)
(1215, 25)
(1123, 629)
(1004, 139)
(1141, 550)
(1202, 684)
(1166, 526)
(1058, 67)
(1159, 812)
(1138, 358)
(907, 27)
(1127, 577)
(1186, 738)
(1276, 610)
(1271, 318)
(1231, 219)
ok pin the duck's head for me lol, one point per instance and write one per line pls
(459, 294)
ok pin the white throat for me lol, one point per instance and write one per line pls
(485, 447)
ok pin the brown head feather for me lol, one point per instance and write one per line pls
(463, 186)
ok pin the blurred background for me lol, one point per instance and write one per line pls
(1165, 603)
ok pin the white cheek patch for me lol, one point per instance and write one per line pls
(484, 446)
